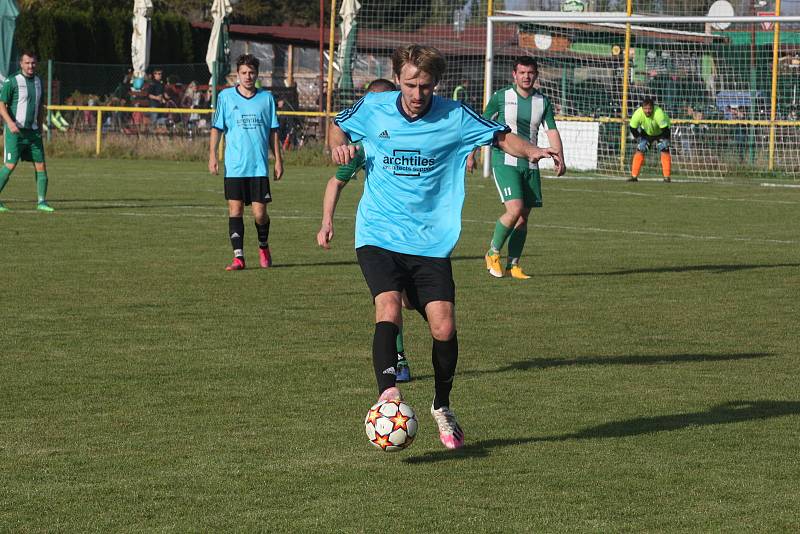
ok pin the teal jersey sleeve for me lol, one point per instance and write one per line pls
(275, 125)
(345, 172)
(477, 131)
(219, 113)
(356, 121)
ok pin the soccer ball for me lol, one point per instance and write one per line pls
(391, 425)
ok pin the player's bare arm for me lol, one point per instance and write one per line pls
(213, 163)
(276, 151)
(554, 138)
(329, 202)
(341, 151)
(515, 145)
(7, 118)
(471, 160)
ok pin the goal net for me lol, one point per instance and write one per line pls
(732, 95)
(364, 47)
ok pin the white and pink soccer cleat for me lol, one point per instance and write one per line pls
(450, 433)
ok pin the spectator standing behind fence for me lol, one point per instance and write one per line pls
(190, 100)
(155, 94)
(650, 124)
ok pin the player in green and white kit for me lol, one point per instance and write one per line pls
(523, 108)
(21, 111)
(332, 191)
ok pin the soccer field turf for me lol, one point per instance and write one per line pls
(645, 378)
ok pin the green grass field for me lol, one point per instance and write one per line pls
(646, 378)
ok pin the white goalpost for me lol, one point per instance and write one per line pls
(731, 86)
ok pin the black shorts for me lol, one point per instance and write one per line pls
(423, 279)
(248, 190)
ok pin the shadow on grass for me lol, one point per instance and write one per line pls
(721, 414)
(549, 363)
(354, 262)
(722, 268)
(123, 204)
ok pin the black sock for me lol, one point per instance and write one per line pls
(384, 355)
(236, 233)
(263, 234)
(444, 356)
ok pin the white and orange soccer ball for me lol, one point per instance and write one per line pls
(391, 425)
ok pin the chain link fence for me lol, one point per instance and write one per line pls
(168, 87)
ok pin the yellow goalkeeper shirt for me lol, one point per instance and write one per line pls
(653, 125)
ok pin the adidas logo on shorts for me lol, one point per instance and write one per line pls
(390, 371)
(383, 135)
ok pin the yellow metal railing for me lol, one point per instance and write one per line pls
(99, 110)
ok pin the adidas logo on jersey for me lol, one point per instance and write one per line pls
(383, 135)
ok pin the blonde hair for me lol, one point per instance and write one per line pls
(425, 58)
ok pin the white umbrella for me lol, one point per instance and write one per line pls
(140, 40)
(348, 13)
(220, 10)
(8, 23)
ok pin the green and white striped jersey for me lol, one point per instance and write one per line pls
(23, 98)
(523, 116)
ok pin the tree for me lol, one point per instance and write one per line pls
(274, 12)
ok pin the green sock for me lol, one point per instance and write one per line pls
(5, 172)
(41, 185)
(501, 233)
(399, 340)
(401, 355)
(516, 242)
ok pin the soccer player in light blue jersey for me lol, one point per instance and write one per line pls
(248, 118)
(409, 217)
(343, 175)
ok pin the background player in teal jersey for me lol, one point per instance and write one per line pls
(21, 111)
(332, 191)
(650, 124)
(524, 109)
(409, 217)
(248, 117)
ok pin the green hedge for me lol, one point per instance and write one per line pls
(105, 37)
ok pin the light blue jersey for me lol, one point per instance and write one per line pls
(247, 123)
(414, 189)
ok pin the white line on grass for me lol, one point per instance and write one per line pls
(590, 229)
(587, 229)
(790, 186)
(662, 195)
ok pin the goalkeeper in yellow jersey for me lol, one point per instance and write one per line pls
(650, 124)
